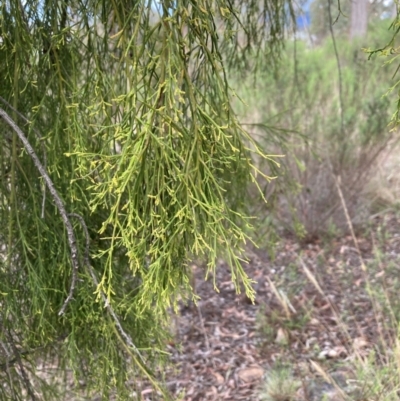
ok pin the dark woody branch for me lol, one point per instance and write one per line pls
(57, 200)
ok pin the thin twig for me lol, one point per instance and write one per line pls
(338, 67)
(375, 305)
(349, 223)
(39, 136)
(124, 334)
(24, 376)
(203, 329)
(12, 361)
(57, 201)
(8, 355)
(85, 229)
(331, 304)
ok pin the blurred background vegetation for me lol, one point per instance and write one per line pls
(330, 116)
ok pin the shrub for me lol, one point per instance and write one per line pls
(333, 127)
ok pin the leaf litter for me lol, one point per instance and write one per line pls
(313, 308)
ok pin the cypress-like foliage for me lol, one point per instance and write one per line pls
(120, 159)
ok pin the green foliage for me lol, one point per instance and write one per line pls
(378, 382)
(390, 52)
(280, 384)
(128, 109)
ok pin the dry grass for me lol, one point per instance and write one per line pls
(372, 364)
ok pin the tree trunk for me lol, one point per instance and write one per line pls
(359, 18)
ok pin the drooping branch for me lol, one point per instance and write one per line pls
(71, 235)
(57, 200)
(39, 137)
(11, 360)
(127, 338)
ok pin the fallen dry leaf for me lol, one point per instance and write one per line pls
(212, 391)
(251, 374)
(219, 378)
(359, 343)
(282, 337)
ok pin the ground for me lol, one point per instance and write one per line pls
(321, 308)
